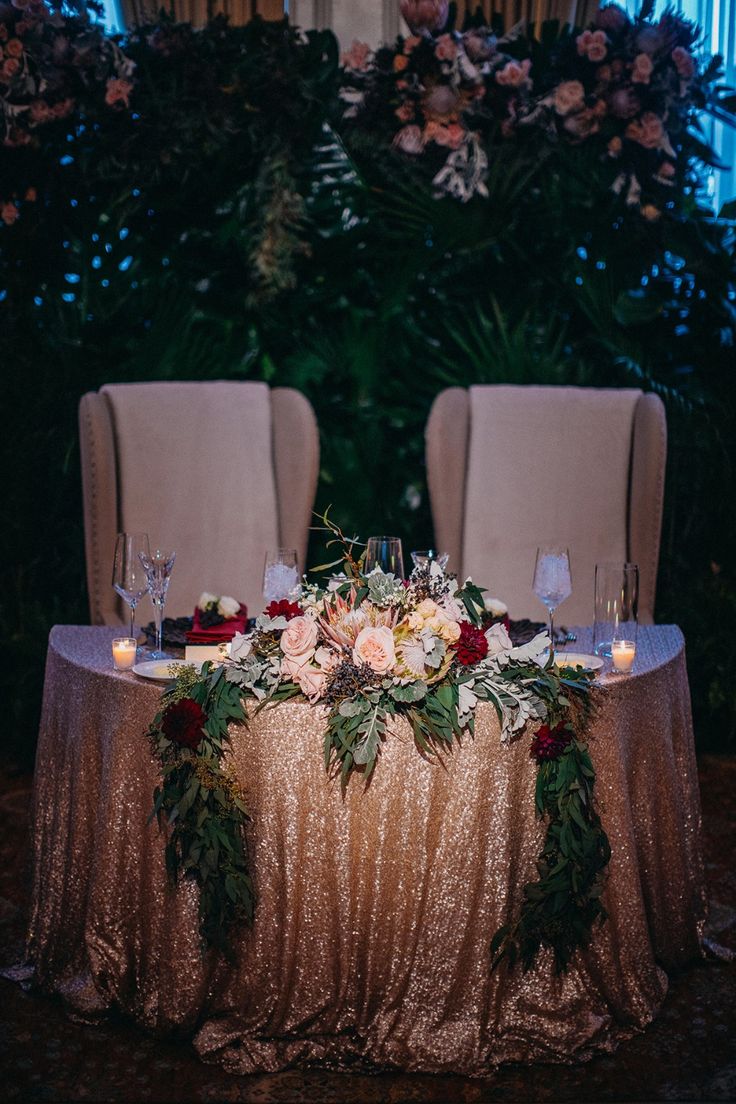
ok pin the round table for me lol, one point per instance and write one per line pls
(375, 908)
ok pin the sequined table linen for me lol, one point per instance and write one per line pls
(375, 911)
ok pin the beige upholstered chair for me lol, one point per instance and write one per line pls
(220, 472)
(510, 468)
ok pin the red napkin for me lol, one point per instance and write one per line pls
(217, 634)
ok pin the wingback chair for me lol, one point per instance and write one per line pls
(510, 468)
(219, 472)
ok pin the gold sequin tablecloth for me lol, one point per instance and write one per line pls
(375, 912)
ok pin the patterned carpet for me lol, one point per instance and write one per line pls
(688, 1054)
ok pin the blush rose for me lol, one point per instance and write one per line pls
(375, 646)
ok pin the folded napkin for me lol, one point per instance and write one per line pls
(217, 634)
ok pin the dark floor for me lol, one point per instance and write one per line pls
(689, 1053)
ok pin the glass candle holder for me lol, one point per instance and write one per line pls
(124, 652)
(623, 654)
(616, 605)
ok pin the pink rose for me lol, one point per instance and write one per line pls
(14, 48)
(592, 44)
(611, 18)
(327, 659)
(569, 96)
(478, 47)
(411, 43)
(358, 56)
(642, 71)
(290, 668)
(446, 50)
(514, 73)
(425, 15)
(9, 213)
(404, 113)
(40, 111)
(647, 131)
(118, 91)
(375, 646)
(11, 66)
(684, 63)
(311, 681)
(299, 639)
(409, 140)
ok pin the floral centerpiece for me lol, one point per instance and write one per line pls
(368, 649)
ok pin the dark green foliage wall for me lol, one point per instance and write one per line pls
(229, 226)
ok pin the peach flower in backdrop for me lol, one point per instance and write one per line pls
(375, 646)
(514, 73)
(446, 49)
(358, 56)
(569, 96)
(592, 44)
(647, 131)
(409, 140)
(642, 71)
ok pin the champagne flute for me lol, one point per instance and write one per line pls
(158, 566)
(552, 582)
(129, 577)
(386, 554)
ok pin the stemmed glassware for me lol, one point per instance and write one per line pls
(386, 553)
(430, 555)
(280, 575)
(158, 566)
(128, 574)
(552, 582)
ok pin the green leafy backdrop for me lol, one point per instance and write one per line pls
(230, 226)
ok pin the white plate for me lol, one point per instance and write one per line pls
(578, 659)
(158, 669)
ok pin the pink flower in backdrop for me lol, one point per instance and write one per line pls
(409, 140)
(425, 15)
(478, 47)
(647, 131)
(592, 44)
(9, 213)
(374, 645)
(118, 92)
(642, 71)
(11, 67)
(411, 43)
(684, 63)
(624, 103)
(14, 48)
(40, 112)
(569, 96)
(615, 146)
(446, 49)
(442, 100)
(299, 639)
(358, 56)
(63, 108)
(405, 113)
(611, 18)
(514, 73)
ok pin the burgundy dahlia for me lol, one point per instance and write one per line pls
(284, 608)
(183, 723)
(549, 743)
(472, 646)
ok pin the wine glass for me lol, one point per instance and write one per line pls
(386, 554)
(552, 582)
(280, 575)
(158, 566)
(128, 574)
(429, 556)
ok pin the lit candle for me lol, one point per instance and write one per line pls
(623, 653)
(124, 652)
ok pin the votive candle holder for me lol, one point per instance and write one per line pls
(124, 650)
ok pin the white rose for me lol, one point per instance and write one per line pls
(228, 607)
(206, 599)
(240, 646)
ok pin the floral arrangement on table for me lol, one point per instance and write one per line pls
(629, 85)
(368, 649)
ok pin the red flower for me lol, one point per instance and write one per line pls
(472, 646)
(284, 608)
(549, 743)
(182, 722)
